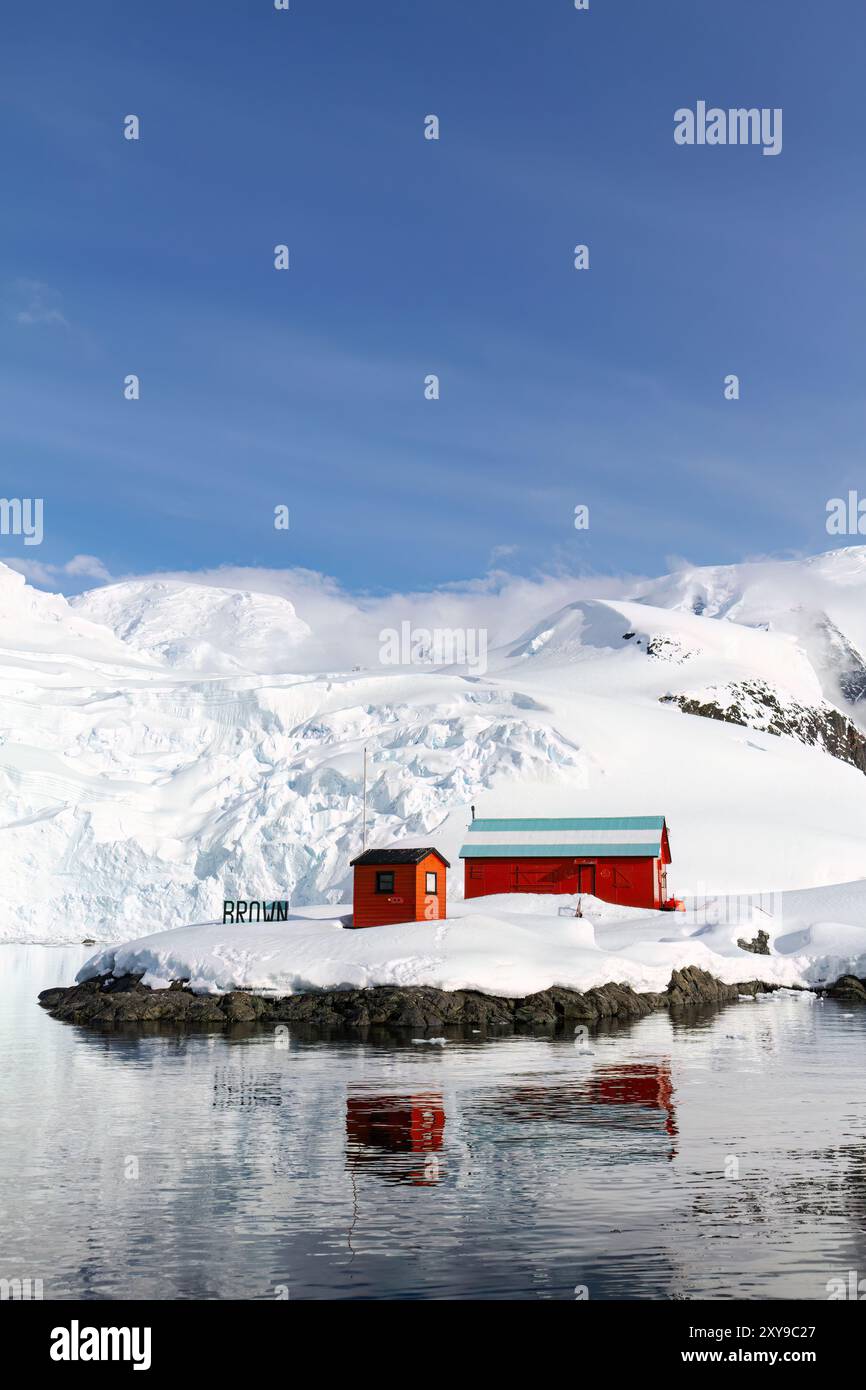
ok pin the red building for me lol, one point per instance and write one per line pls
(622, 859)
(399, 885)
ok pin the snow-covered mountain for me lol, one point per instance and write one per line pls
(199, 627)
(164, 745)
(819, 601)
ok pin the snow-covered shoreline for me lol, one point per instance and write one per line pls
(510, 946)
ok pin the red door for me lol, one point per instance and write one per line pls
(586, 878)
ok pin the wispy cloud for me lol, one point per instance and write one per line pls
(37, 304)
(502, 552)
(40, 572)
(33, 570)
(88, 566)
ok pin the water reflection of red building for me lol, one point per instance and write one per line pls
(646, 1084)
(381, 1126)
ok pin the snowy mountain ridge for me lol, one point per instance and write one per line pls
(165, 745)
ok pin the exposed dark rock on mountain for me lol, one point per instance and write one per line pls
(838, 655)
(756, 705)
(106, 1002)
(668, 649)
(853, 685)
(759, 945)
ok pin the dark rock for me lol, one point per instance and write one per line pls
(848, 987)
(755, 704)
(693, 986)
(241, 1007)
(560, 1007)
(50, 998)
(108, 1002)
(754, 987)
(420, 1007)
(759, 945)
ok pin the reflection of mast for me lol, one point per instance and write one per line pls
(351, 1231)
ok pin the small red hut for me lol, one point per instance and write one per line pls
(399, 885)
(622, 859)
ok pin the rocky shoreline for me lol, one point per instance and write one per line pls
(106, 1002)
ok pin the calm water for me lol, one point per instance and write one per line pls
(215, 1167)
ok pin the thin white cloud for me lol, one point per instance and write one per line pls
(33, 570)
(38, 304)
(89, 566)
(41, 572)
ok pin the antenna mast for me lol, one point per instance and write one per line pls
(364, 832)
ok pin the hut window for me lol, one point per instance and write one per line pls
(431, 883)
(385, 883)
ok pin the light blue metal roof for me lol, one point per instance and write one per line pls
(649, 849)
(570, 823)
(565, 837)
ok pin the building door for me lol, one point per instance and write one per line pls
(586, 878)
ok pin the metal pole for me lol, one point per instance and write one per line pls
(365, 800)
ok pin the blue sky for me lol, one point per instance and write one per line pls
(411, 257)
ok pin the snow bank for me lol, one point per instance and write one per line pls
(509, 946)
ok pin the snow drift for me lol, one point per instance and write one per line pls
(510, 946)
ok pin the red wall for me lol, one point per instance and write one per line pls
(632, 882)
(434, 909)
(407, 903)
